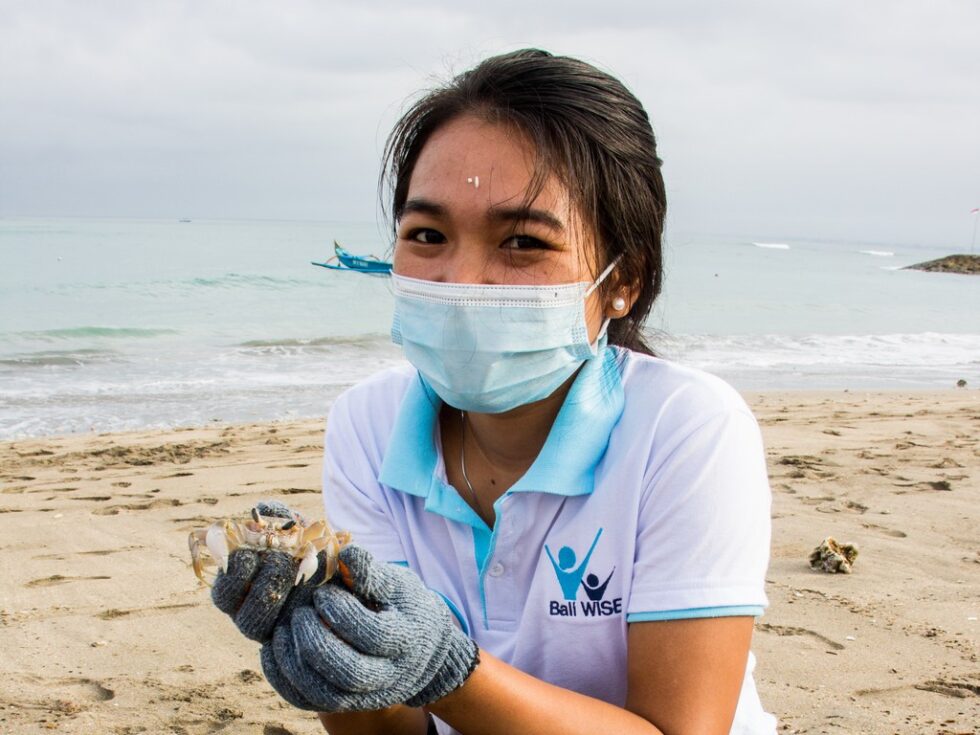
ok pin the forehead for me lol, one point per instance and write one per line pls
(471, 163)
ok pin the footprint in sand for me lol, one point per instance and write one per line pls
(192, 524)
(846, 505)
(810, 500)
(139, 612)
(88, 689)
(806, 465)
(867, 454)
(909, 445)
(954, 689)
(95, 552)
(159, 503)
(957, 689)
(295, 490)
(76, 695)
(880, 471)
(36, 453)
(785, 630)
(887, 531)
(55, 579)
(54, 490)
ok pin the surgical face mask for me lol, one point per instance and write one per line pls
(489, 349)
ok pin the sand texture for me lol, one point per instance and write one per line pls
(104, 628)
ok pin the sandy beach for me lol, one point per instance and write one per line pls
(105, 629)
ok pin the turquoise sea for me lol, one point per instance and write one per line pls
(121, 324)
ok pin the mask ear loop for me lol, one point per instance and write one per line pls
(602, 276)
(605, 322)
(602, 333)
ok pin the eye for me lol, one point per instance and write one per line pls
(524, 242)
(426, 236)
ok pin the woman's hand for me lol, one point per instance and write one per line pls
(389, 641)
(257, 584)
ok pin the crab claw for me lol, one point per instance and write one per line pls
(217, 544)
(307, 567)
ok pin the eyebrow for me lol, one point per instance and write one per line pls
(421, 206)
(505, 214)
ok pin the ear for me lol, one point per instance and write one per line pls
(620, 299)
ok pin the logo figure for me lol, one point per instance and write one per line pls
(570, 578)
(593, 589)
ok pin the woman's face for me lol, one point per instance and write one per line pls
(466, 218)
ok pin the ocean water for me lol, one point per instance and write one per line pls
(121, 324)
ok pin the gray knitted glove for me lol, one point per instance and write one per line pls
(255, 590)
(391, 641)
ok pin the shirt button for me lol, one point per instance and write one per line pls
(496, 570)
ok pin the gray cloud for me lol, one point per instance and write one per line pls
(775, 119)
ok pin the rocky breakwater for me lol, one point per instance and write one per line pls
(950, 264)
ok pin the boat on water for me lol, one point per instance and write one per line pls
(343, 260)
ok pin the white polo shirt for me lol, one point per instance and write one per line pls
(649, 501)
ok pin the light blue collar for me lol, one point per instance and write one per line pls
(565, 466)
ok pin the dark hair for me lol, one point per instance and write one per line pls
(588, 130)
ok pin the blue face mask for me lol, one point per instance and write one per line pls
(489, 349)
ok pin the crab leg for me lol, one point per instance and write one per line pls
(332, 549)
(217, 544)
(315, 531)
(235, 535)
(195, 540)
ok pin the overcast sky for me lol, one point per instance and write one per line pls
(829, 119)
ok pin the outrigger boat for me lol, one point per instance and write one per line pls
(343, 260)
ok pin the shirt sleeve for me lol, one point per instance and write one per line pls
(352, 495)
(703, 535)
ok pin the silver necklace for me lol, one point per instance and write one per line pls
(462, 464)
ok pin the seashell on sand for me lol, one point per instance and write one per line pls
(833, 557)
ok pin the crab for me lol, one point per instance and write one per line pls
(211, 546)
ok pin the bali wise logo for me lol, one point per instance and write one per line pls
(571, 575)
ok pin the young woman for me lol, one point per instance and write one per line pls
(556, 531)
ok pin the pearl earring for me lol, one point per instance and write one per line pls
(619, 303)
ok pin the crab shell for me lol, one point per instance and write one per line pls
(210, 547)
